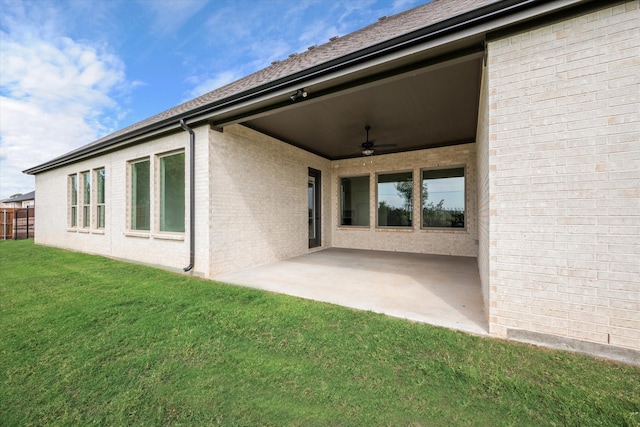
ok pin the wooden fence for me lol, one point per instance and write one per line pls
(17, 223)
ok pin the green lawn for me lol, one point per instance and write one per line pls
(87, 340)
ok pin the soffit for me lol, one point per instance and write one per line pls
(427, 107)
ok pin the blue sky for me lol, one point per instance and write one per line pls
(74, 71)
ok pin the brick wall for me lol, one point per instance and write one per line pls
(564, 178)
(115, 240)
(482, 155)
(259, 199)
(413, 239)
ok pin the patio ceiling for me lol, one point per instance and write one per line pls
(427, 107)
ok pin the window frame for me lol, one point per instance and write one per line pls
(158, 187)
(72, 186)
(340, 201)
(411, 210)
(85, 183)
(131, 194)
(465, 190)
(100, 206)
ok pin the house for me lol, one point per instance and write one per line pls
(17, 217)
(505, 131)
(22, 201)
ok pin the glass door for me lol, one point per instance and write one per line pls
(313, 203)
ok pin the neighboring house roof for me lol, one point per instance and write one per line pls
(28, 196)
(432, 19)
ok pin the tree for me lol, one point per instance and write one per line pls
(390, 216)
(405, 190)
(13, 196)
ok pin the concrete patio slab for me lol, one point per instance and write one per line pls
(435, 289)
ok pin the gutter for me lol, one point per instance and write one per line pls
(488, 13)
(192, 200)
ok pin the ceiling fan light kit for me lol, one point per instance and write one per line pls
(367, 146)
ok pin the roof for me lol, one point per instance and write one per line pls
(436, 16)
(28, 196)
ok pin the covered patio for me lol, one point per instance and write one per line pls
(435, 289)
(397, 113)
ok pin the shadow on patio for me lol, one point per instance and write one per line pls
(435, 289)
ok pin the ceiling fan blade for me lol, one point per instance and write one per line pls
(385, 145)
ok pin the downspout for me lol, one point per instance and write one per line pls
(192, 191)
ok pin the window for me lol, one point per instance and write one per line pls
(140, 195)
(395, 199)
(86, 199)
(443, 203)
(172, 182)
(73, 198)
(354, 201)
(100, 178)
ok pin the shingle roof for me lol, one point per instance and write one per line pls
(382, 30)
(28, 196)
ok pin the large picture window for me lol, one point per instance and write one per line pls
(73, 200)
(354, 201)
(86, 199)
(140, 195)
(443, 198)
(395, 199)
(100, 211)
(172, 194)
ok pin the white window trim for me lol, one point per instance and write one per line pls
(154, 198)
(83, 226)
(94, 198)
(167, 235)
(70, 205)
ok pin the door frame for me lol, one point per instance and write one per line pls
(317, 176)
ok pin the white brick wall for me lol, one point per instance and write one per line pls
(564, 178)
(251, 203)
(414, 239)
(115, 240)
(259, 199)
(482, 146)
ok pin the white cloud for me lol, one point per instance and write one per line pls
(356, 7)
(55, 96)
(209, 84)
(170, 16)
(401, 5)
(317, 33)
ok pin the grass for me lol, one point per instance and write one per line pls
(88, 340)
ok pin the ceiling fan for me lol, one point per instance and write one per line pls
(368, 147)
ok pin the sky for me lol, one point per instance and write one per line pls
(451, 190)
(74, 71)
